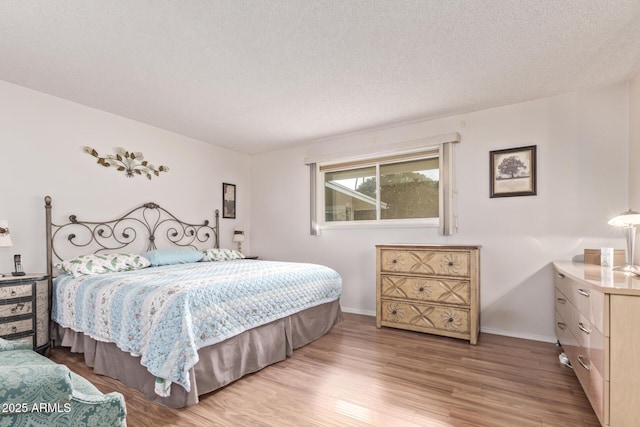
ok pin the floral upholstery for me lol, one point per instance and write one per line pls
(34, 391)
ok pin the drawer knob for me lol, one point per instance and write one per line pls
(19, 306)
(583, 328)
(14, 329)
(450, 263)
(560, 275)
(561, 301)
(583, 292)
(586, 365)
(13, 292)
(562, 325)
(395, 261)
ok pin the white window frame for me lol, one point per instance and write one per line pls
(399, 152)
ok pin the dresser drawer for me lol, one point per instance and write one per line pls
(431, 262)
(424, 317)
(590, 378)
(587, 300)
(16, 309)
(590, 340)
(566, 309)
(426, 289)
(17, 291)
(16, 327)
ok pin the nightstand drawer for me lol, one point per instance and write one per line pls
(28, 338)
(16, 327)
(15, 291)
(426, 289)
(425, 316)
(16, 309)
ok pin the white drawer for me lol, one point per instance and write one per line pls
(588, 300)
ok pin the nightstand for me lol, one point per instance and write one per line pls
(24, 309)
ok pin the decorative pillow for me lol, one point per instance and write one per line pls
(221, 255)
(173, 256)
(102, 263)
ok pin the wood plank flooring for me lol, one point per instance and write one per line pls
(358, 375)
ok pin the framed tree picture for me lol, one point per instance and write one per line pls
(228, 200)
(513, 172)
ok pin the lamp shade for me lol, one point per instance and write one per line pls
(625, 219)
(5, 236)
(238, 235)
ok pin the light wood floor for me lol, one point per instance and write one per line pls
(358, 375)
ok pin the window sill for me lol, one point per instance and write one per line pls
(433, 223)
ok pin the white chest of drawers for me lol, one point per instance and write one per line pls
(24, 309)
(597, 322)
(429, 288)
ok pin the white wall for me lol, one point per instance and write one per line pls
(582, 141)
(634, 144)
(41, 140)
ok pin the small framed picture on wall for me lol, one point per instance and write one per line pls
(228, 200)
(513, 172)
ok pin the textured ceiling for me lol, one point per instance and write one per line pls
(259, 75)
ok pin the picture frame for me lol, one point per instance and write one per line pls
(228, 200)
(513, 172)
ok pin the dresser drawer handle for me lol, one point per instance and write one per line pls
(560, 275)
(14, 329)
(19, 306)
(562, 301)
(13, 292)
(395, 261)
(586, 365)
(583, 292)
(562, 325)
(583, 328)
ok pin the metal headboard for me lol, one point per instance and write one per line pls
(148, 221)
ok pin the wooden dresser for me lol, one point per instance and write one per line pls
(24, 309)
(429, 288)
(597, 322)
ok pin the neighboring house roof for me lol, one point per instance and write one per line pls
(353, 193)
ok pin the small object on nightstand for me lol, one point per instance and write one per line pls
(251, 257)
(18, 264)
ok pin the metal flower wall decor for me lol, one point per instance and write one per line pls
(132, 163)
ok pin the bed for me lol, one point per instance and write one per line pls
(178, 330)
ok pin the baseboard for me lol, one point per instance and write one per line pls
(494, 331)
(523, 335)
(358, 311)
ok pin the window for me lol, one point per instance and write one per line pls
(403, 187)
(383, 191)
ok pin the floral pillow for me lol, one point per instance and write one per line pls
(221, 255)
(102, 263)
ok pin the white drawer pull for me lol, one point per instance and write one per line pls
(562, 301)
(586, 365)
(583, 292)
(583, 328)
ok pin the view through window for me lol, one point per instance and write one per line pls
(385, 190)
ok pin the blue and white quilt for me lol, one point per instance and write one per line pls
(165, 314)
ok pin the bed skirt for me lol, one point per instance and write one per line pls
(219, 364)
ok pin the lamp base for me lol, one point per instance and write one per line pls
(629, 270)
